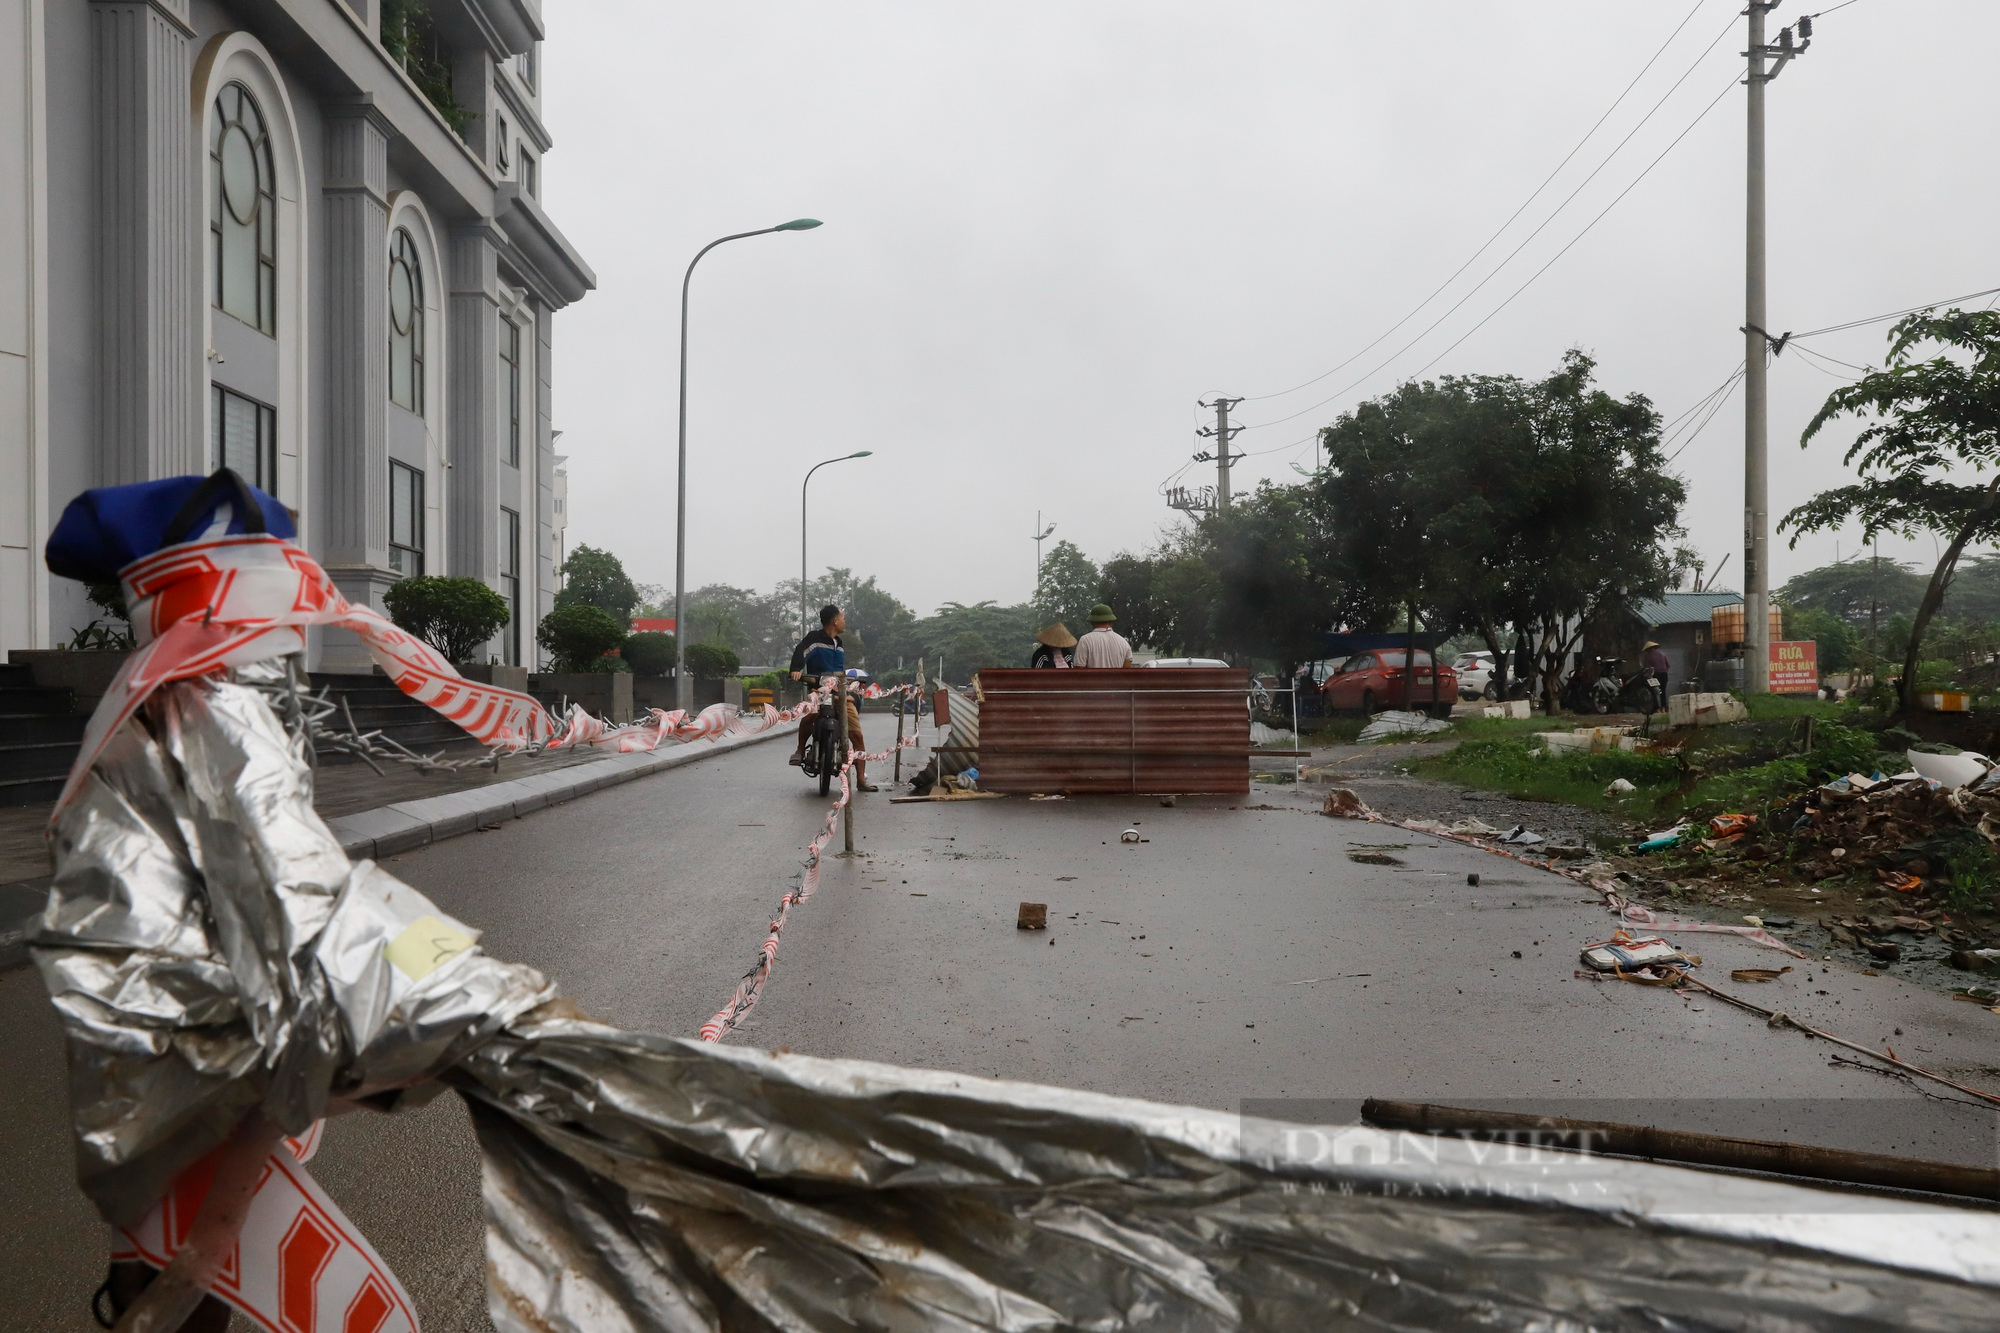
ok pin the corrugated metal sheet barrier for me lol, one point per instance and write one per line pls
(1175, 730)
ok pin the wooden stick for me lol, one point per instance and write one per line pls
(1676, 1145)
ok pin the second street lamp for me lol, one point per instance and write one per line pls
(683, 696)
(805, 614)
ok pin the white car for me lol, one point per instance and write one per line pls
(1475, 674)
(1259, 696)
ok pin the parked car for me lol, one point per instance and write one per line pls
(1259, 696)
(1373, 681)
(1475, 675)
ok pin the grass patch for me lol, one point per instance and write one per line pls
(1522, 769)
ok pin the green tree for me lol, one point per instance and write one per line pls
(650, 653)
(717, 623)
(1859, 590)
(578, 636)
(453, 615)
(1475, 503)
(711, 661)
(1838, 641)
(1268, 557)
(1067, 586)
(1125, 584)
(1933, 421)
(596, 578)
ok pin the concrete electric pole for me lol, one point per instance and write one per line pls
(1221, 432)
(1757, 345)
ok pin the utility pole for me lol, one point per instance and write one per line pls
(1757, 347)
(1221, 432)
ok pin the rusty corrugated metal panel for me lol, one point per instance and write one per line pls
(1174, 730)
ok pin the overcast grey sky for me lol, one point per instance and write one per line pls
(1052, 227)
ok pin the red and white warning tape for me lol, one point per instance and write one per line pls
(751, 987)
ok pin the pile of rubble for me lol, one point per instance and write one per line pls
(1908, 832)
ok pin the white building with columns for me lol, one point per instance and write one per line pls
(303, 238)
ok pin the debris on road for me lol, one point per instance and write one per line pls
(1757, 973)
(1521, 836)
(1372, 857)
(1619, 787)
(1342, 803)
(1395, 722)
(1625, 953)
(1033, 916)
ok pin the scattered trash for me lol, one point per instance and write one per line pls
(1129, 835)
(1623, 953)
(1519, 836)
(1728, 828)
(1473, 828)
(1754, 920)
(1040, 797)
(1473, 879)
(1757, 973)
(1659, 842)
(1398, 723)
(1951, 771)
(1977, 960)
(1263, 735)
(1619, 787)
(1371, 857)
(1887, 950)
(1515, 708)
(1033, 916)
(1167, 801)
(1704, 710)
(1342, 803)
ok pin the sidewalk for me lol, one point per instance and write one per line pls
(380, 815)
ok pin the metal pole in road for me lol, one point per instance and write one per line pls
(805, 614)
(683, 696)
(1757, 347)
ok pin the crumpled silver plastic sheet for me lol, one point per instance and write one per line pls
(637, 1182)
(211, 950)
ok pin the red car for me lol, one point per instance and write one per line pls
(1373, 680)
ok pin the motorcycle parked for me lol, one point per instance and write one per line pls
(1597, 686)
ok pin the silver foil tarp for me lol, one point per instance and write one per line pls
(211, 949)
(636, 1182)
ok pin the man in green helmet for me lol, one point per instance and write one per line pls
(1103, 646)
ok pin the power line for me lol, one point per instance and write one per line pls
(1512, 254)
(1586, 230)
(1717, 399)
(1501, 231)
(1893, 314)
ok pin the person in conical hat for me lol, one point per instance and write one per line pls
(1053, 647)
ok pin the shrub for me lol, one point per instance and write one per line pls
(578, 635)
(650, 654)
(712, 661)
(453, 615)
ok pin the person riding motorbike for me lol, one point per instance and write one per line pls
(832, 624)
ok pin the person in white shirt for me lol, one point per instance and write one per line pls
(1103, 646)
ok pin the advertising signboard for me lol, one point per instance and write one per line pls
(1794, 668)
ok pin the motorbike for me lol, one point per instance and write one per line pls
(1597, 686)
(826, 742)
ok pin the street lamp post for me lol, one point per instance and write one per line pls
(683, 696)
(1040, 533)
(804, 613)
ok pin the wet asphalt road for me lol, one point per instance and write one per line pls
(1236, 954)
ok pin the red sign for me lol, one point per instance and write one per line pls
(1794, 668)
(653, 625)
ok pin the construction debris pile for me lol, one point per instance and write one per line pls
(1915, 836)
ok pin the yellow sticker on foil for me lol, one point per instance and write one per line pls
(425, 945)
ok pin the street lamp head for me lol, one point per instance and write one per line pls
(862, 453)
(798, 224)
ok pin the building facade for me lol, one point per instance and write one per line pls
(303, 238)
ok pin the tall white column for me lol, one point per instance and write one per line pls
(150, 296)
(472, 332)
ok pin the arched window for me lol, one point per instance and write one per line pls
(243, 211)
(406, 323)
